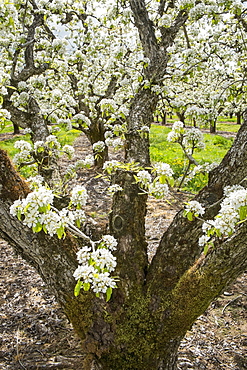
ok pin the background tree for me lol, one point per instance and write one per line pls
(156, 301)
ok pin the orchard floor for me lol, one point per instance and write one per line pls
(35, 334)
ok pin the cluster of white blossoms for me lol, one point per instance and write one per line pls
(158, 190)
(107, 105)
(4, 115)
(193, 138)
(88, 160)
(116, 143)
(193, 208)
(163, 169)
(95, 266)
(165, 21)
(144, 179)
(69, 150)
(35, 181)
(81, 119)
(189, 138)
(23, 145)
(232, 212)
(159, 186)
(178, 129)
(79, 196)
(111, 166)
(36, 210)
(99, 146)
(186, 3)
(113, 189)
(25, 152)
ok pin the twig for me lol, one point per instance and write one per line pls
(17, 350)
(233, 300)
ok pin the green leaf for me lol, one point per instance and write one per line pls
(201, 177)
(19, 213)
(243, 212)
(60, 232)
(43, 209)
(205, 251)
(171, 181)
(37, 228)
(11, 21)
(11, 87)
(163, 179)
(108, 294)
(86, 286)
(190, 216)
(77, 288)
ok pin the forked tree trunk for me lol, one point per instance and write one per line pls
(154, 305)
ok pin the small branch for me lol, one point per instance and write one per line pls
(233, 300)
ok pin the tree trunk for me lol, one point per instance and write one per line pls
(213, 126)
(239, 115)
(16, 129)
(164, 119)
(181, 116)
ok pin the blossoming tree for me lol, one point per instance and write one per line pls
(130, 313)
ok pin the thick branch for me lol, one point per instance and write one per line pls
(179, 248)
(206, 279)
(145, 27)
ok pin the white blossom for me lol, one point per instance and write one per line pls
(79, 195)
(69, 150)
(104, 259)
(158, 190)
(85, 272)
(144, 178)
(99, 146)
(38, 144)
(203, 240)
(23, 145)
(110, 166)
(89, 160)
(114, 189)
(52, 142)
(163, 169)
(195, 207)
(110, 242)
(84, 255)
(102, 281)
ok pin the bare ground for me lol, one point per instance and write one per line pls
(36, 335)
